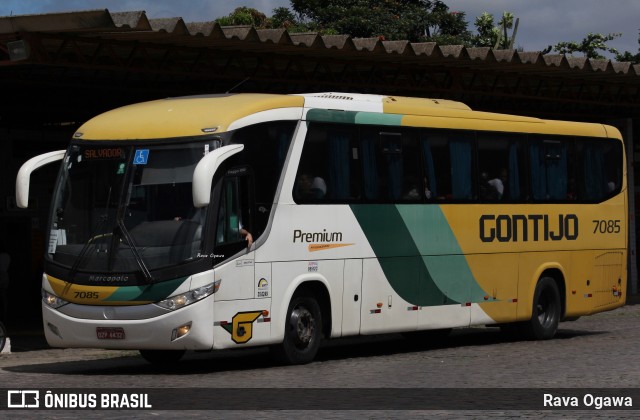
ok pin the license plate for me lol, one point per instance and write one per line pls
(110, 333)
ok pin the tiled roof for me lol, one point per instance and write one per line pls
(136, 25)
(96, 51)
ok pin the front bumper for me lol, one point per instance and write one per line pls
(154, 333)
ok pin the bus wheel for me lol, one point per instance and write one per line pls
(546, 310)
(303, 332)
(161, 357)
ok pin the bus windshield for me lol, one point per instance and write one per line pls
(126, 208)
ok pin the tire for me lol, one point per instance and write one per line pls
(546, 311)
(302, 334)
(162, 357)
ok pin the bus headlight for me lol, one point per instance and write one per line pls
(180, 301)
(52, 300)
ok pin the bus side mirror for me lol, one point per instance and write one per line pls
(206, 168)
(24, 174)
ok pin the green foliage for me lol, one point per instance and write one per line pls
(492, 35)
(244, 16)
(629, 57)
(282, 18)
(590, 46)
(487, 31)
(412, 20)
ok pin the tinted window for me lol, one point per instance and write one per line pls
(500, 167)
(448, 164)
(329, 167)
(599, 169)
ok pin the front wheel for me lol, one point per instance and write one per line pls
(303, 332)
(547, 310)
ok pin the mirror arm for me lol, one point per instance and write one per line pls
(24, 175)
(206, 168)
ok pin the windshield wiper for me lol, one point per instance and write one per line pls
(85, 248)
(134, 249)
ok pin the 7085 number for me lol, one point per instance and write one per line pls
(87, 295)
(606, 226)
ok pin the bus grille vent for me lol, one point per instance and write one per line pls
(334, 96)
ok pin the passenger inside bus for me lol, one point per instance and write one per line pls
(310, 188)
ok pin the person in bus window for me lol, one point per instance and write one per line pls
(487, 191)
(310, 188)
(411, 190)
(247, 236)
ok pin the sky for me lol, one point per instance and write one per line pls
(542, 22)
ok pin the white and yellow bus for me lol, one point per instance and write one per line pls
(227, 221)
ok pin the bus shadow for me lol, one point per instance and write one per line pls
(260, 358)
(459, 338)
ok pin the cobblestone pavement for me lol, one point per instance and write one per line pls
(599, 351)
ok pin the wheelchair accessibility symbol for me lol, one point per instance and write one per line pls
(141, 157)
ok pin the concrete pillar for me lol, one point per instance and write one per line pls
(626, 128)
(633, 268)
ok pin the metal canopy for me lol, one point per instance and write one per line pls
(82, 63)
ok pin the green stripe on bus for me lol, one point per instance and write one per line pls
(375, 118)
(441, 252)
(425, 266)
(354, 117)
(325, 115)
(398, 255)
(149, 293)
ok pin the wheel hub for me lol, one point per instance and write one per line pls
(303, 325)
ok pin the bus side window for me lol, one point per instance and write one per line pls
(234, 212)
(390, 165)
(328, 170)
(499, 167)
(598, 170)
(448, 162)
(550, 162)
(265, 150)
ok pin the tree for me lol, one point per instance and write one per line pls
(627, 56)
(244, 16)
(446, 27)
(490, 35)
(590, 46)
(412, 20)
(283, 18)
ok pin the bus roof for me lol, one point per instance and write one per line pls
(180, 117)
(202, 115)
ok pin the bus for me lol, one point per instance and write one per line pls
(235, 220)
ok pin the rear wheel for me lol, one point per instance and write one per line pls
(303, 332)
(162, 357)
(547, 310)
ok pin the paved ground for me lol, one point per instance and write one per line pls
(600, 351)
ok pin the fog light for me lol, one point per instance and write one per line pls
(54, 329)
(181, 331)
